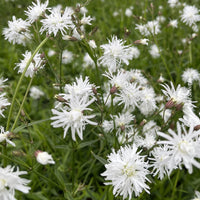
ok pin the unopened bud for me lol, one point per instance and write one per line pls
(170, 104)
(94, 90)
(143, 122)
(113, 90)
(42, 55)
(179, 106)
(70, 38)
(142, 41)
(60, 99)
(122, 127)
(197, 127)
(23, 113)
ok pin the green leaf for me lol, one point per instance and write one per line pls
(100, 159)
(16, 130)
(85, 144)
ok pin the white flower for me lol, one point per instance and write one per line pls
(57, 21)
(190, 75)
(126, 171)
(3, 103)
(184, 147)
(87, 61)
(197, 196)
(10, 181)
(44, 158)
(173, 3)
(17, 31)
(178, 96)
(4, 136)
(35, 65)
(67, 57)
(135, 52)
(2, 81)
(86, 20)
(92, 44)
(115, 53)
(154, 51)
(35, 11)
(174, 23)
(160, 161)
(51, 53)
(152, 27)
(74, 116)
(79, 88)
(144, 41)
(36, 93)
(137, 76)
(190, 15)
(147, 103)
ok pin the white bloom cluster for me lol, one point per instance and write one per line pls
(76, 101)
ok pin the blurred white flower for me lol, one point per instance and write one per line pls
(43, 157)
(173, 23)
(173, 3)
(67, 56)
(190, 75)
(154, 51)
(135, 52)
(36, 93)
(126, 171)
(128, 12)
(18, 31)
(190, 15)
(197, 196)
(10, 181)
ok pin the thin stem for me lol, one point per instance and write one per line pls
(22, 104)
(61, 52)
(190, 52)
(175, 184)
(20, 81)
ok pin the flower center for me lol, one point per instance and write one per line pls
(129, 170)
(3, 184)
(185, 147)
(75, 115)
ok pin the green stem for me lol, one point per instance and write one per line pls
(22, 104)
(190, 52)
(20, 81)
(61, 52)
(175, 184)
